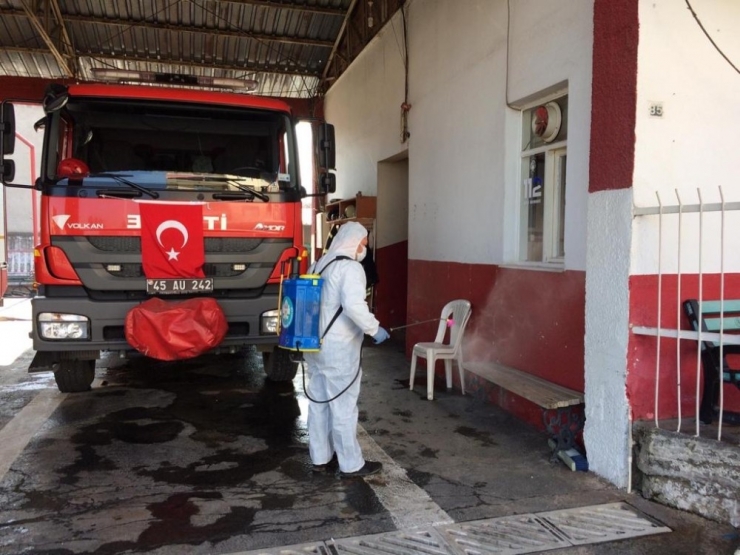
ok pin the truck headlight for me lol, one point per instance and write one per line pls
(56, 325)
(269, 322)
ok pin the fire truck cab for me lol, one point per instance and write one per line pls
(107, 148)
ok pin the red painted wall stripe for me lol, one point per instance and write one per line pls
(530, 320)
(642, 349)
(30, 89)
(391, 291)
(613, 94)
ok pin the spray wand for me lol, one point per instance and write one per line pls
(450, 323)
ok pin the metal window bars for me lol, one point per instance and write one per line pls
(680, 209)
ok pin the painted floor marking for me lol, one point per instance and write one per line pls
(15, 321)
(16, 434)
(509, 535)
(409, 505)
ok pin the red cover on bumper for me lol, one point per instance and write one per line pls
(174, 330)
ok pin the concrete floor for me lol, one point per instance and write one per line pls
(204, 456)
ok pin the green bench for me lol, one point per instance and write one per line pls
(713, 365)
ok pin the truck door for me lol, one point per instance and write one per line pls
(3, 248)
(7, 171)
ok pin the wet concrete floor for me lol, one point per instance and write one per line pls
(205, 456)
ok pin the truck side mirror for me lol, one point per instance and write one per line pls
(55, 98)
(327, 147)
(7, 125)
(8, 168)
(327, 183)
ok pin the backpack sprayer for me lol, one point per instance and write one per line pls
(299, 307)
(299, 303)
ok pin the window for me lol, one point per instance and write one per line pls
(543, 182)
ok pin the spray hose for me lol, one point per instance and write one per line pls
(338, 395)
(450, 323)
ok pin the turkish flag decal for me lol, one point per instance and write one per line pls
(172, 240)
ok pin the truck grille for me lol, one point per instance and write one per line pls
(211, 244)
(108, 264)
(210, 270)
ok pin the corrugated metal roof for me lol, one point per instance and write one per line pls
(284, 44)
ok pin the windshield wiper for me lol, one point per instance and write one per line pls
(234, 195)
(231, 180)
(249, 189)
(125, 181)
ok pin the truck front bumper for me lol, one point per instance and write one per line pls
(106, 322)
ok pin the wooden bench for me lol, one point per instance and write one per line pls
(562, 423)
(713, 365)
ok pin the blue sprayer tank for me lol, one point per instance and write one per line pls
(300, 312)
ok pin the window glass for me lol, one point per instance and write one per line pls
(543, 182)
(559, 234)
(533, 167)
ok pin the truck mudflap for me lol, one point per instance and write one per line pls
(49, 361)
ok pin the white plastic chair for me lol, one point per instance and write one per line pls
(459, 310)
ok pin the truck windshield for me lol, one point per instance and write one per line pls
(170, 145)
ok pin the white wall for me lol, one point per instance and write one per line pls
(551, 42)
(19, 208)
(695, 143)
(464, 145)
(607, 334)
(457, 144)
(365, 106)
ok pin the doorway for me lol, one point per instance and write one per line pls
(392, 234)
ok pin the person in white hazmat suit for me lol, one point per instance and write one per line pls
(332, 427)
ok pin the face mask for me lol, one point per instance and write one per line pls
(361, 255)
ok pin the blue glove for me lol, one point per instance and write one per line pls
(380, 336)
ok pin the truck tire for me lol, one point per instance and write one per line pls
(278, 365)
(75, 376)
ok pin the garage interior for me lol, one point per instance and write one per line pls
(296, 50)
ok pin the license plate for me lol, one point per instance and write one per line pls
(178, 286)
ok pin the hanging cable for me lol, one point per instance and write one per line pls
(405, 106)
(698, 21)
(508, 45)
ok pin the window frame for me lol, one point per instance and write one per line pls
(553, 195)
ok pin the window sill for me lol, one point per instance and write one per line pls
(537, 266)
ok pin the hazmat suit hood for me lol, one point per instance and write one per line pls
(345, 242)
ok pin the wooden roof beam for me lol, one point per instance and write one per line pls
(63, 66)
(111, 58)
(337, 42)
(66, 41)
(273, 4)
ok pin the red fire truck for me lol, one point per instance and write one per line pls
(107, 148)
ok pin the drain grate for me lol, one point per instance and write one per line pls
(313, 548)
(503, 536)
(509, 535)
(424, 541)
(602, 523)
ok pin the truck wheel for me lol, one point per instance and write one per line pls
(74, 376)
(278, 366)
